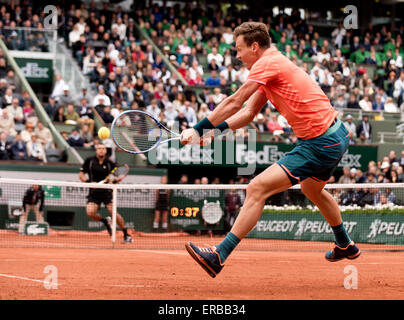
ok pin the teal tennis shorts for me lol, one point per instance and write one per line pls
(316, 158)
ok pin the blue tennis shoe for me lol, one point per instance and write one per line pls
(208, 258)
(351, 251)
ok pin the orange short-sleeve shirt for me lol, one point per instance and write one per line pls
(293, 93)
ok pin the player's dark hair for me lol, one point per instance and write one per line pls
(254, 32)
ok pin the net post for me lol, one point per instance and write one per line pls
(114, 212)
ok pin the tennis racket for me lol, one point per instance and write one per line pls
(138, 132)
(119, 172)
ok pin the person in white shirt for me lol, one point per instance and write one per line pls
(120, 61)
(113, 53)
(323, 55)
(170, 114)
(150, 54)
(166, 76)
(121, 28)
(228, 36)
(390, 106)
(365, 103)
(189, 113)
(44, 135)
(35, 150)
(195, 69)
(243, 74)
(8, 97)
(284, 123)
(90, 61)
(153, 108)
(351, 127)
(15, 111)
(218, 96)
(60, 84)
(74, 35)
(338, 35)
(101, 95)
(317, 75)
(81, 25)
(399, 58)
(215, 55)
(184, 48)
(7, 124)
(399, 88)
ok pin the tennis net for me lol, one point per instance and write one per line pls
(373, 215)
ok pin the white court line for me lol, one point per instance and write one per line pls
(41, 281)
(23, 278)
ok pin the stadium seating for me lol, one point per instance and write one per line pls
(124, 60)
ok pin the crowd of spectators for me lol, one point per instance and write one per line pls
(388, 170)
(126, 73)
(22, 135)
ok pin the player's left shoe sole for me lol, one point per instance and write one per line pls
(200, 261)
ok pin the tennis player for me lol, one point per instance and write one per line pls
(96, 169)
(322, 141)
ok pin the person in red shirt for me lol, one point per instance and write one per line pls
(322, 141)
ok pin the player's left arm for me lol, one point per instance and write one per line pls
(223, 111)
(233, 103)
(247, 114)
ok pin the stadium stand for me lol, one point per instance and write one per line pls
(165, 58)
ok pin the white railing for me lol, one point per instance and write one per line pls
(68, 68)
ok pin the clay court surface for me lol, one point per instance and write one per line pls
(159, 268)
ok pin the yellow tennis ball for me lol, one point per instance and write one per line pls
(103, 133)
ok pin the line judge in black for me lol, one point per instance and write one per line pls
(96, 169)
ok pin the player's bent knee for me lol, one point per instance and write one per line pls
(256, 191)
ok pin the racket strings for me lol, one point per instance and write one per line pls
(137, 132)
(120, 171)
